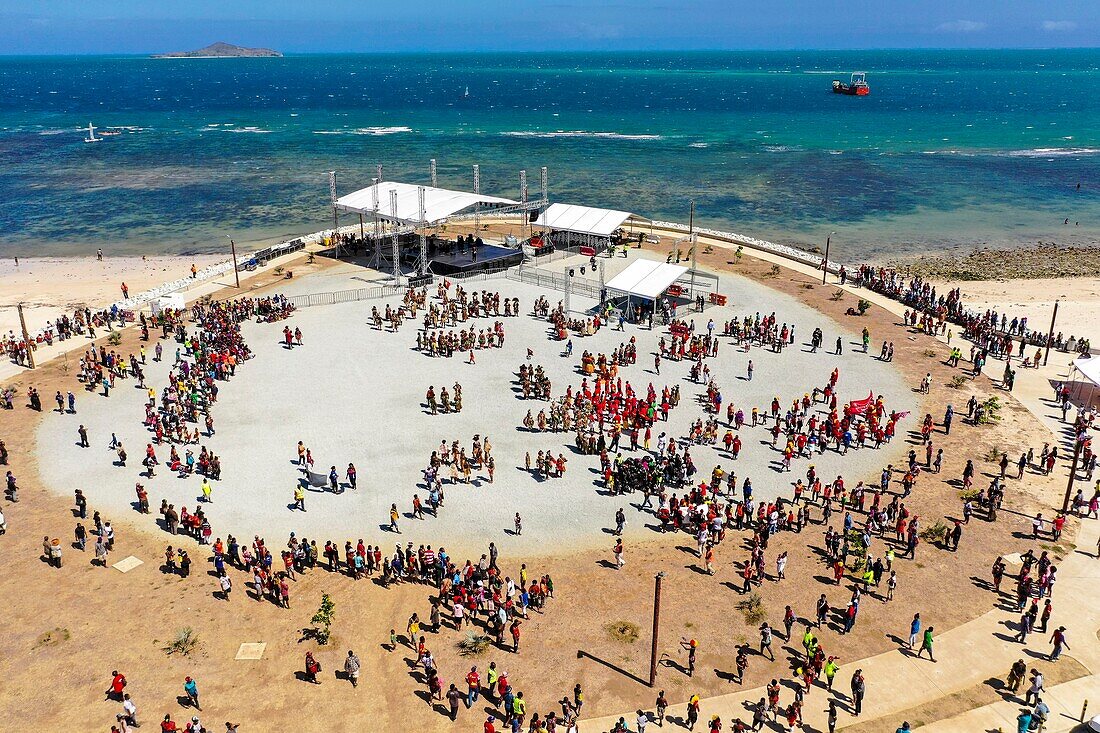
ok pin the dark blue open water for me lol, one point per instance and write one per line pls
(951, 149)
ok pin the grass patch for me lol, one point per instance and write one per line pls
(625, 631)
(53, 637)
(957, 381)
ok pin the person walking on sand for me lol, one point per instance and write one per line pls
(351, 668)
(618, 551)
(393, 519)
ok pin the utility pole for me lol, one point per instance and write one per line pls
(236, 271)
(26, 336)
(825, 262)
(691, 239)
(1050, 334)
(656, 624)
(1072, 474)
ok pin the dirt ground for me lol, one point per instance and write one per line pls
(107, 620)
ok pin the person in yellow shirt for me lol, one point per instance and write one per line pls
(299, 497)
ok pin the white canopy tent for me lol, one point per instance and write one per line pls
(582, 219)
(1089, 368)
(439, 203)
(646, 279)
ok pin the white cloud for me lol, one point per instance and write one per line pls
(1058, 26)
(961, 26)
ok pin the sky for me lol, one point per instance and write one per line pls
(318, 26)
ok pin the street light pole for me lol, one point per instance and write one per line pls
(656, 623)
(1072, 474)
(1050, 334)
(825, 262)
(233, 250)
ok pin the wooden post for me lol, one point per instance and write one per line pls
(26, 336)
(1050, 335)
(1072, 474)
(825, 262)
(236, 272)
(656, 625)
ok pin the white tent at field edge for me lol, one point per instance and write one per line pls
(647, 279)
(582, 219)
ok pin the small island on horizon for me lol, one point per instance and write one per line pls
(220, 50)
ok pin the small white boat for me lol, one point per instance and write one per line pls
(467, 92)
(91, 135)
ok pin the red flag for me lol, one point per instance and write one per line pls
(858, 407)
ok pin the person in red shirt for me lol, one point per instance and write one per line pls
(489, 727)
(118, 684)
(168, 725)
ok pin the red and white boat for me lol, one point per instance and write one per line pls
(858, 86)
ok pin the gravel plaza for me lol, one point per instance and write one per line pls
(352, 393)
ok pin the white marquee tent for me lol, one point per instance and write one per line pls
(582, 219)
(439, 203)
(646, 279)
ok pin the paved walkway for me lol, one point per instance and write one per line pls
(966, 656)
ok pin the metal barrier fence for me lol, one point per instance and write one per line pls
(383, 291)
(344, 296)
(556, 281)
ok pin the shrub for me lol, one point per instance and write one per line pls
(278, 270)
(474, 644)
(930, 353)
(752, 608)
(624, 631)
(115, 338)
(957, 381)
(185, 643)
(740, 252)
(970, 494)
(934, 533)
(773, 272)
(994, 454)
(863, 306)
(808, 286)
(837, 294)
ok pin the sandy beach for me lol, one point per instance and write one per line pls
(1078, 299)
(51, 286)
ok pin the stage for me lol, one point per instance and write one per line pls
(470, 260)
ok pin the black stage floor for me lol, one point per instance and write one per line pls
(487, 256)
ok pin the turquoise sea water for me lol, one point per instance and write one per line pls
(951, 149)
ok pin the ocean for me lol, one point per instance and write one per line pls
(951, 150)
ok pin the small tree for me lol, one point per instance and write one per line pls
(115, 338)
(322, 620)
(837, 294)
(863, 306)
(988, 411)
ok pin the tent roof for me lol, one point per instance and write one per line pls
(439, 203)
(582, 219)
(646, 278)
(1090, 368)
